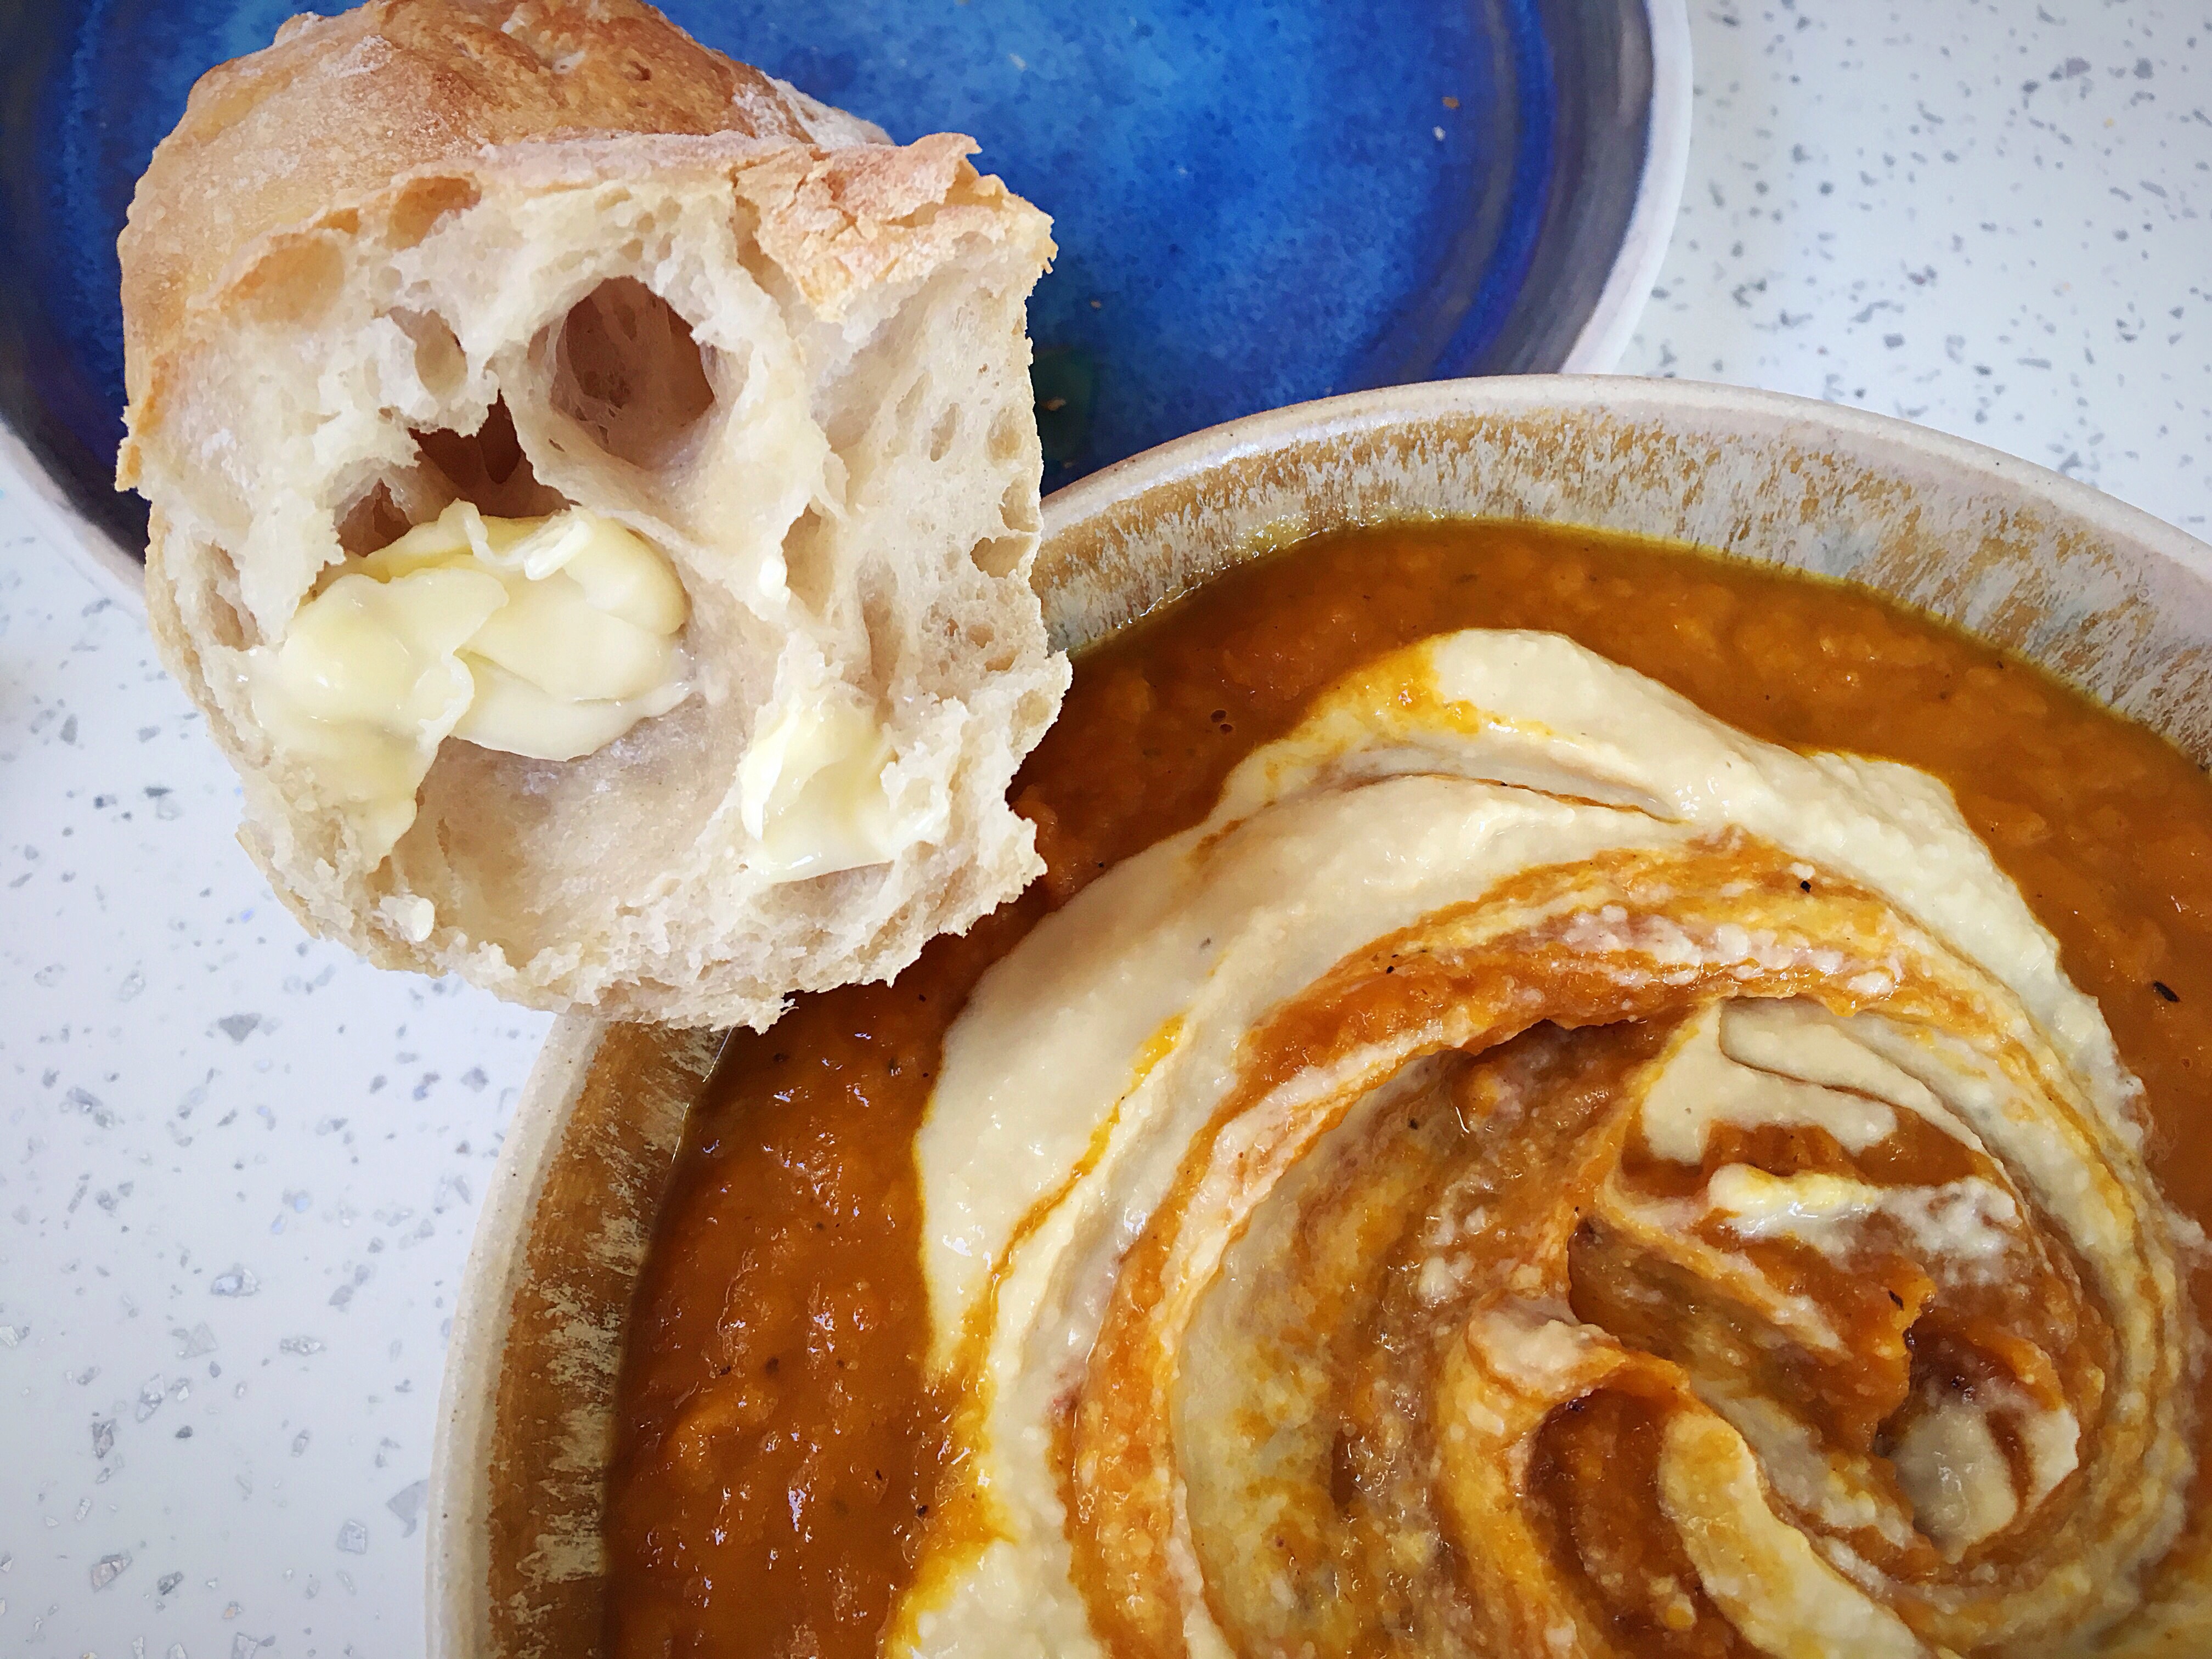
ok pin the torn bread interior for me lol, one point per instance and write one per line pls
(604, 555)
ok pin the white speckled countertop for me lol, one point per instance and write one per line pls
(1993, 217)
(237, 1169)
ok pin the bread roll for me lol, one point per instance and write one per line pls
(441, 264)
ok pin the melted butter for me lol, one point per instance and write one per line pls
(811, 791)
(544, 637)
(367, 684)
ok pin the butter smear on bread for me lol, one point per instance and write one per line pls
(546, 637)
(811, 791)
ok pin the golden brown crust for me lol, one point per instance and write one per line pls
(338, 107)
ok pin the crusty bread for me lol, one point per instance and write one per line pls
(558, 252)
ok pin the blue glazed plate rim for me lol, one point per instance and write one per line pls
(103, 532)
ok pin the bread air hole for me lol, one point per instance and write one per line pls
(439, 362)
(627, 370)
(941, 436)
(1018, 508)
(998, 555)
(425, 204)
(908, 414)
(295, 279)
(809, 565)
(374, 521)
(488, 468)
(227, 619)
(1006, 436)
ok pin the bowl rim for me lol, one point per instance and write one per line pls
(1612, 322)
(1624, 397)
(455, 1517)
(459, 1458)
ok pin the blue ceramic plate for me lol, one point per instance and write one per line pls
(1255, 203)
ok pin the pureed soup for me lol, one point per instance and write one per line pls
(1536, 1171)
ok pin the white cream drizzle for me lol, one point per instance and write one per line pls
(1702, 1087)
(1422, 784)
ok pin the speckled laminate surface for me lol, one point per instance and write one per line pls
(237, 1169)
(1995, 218)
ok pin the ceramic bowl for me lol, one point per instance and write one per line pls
(2106, 596)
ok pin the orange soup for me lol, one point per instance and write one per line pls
(780, 1452)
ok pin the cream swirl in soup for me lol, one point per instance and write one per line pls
(1538, 1171)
